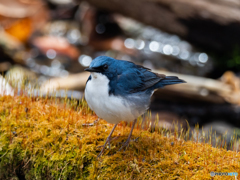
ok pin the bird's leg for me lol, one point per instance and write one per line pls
(107, 141)
(129, 136)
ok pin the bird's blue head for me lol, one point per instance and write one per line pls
(105, 65)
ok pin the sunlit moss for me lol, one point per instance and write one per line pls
(47, 138)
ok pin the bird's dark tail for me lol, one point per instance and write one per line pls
(168, 80)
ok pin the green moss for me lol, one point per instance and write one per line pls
(47, 139)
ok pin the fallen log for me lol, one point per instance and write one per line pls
(71, 82)
(196, 21)
(196, 89)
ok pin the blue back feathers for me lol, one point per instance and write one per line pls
(126, 77)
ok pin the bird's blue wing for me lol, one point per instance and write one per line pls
(137, 79)
(149, 78)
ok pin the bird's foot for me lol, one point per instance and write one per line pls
(129, 137)
(135, 140)
(92, 124)
(125, 144)
(109, 139)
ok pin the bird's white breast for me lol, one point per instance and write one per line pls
(111, 108)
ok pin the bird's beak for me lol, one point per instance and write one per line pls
(92, 70)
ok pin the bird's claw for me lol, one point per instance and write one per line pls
(103, 146)
(135, 140)
(125, 144)
(111, 139)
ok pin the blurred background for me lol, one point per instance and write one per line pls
(45, 45)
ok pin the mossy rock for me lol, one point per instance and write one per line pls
(44, 138)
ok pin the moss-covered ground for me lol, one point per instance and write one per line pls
(47, 138)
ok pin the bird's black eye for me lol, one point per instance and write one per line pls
(105, 66)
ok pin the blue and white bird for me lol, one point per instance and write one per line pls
(120, 90)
